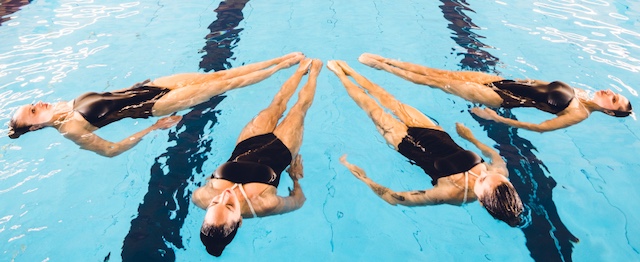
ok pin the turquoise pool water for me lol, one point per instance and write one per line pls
(60, 203)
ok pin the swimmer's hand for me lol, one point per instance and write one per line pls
(464, 131)
(295, 169)
(485, 113)
(167, 122)
(355, 170)
(383, 192)
(295, 172)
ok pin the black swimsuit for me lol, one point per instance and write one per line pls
(101, 109)
(552, 98)
(258, 159)
(436, 153)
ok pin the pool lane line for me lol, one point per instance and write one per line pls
(155, 231)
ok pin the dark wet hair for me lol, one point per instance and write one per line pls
(16, 130)
(216, 237)
(621, 113)
(503, 203)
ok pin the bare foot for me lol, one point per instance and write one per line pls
(335, 67)
(375, 57)
(291, 61)
(304, 65)
(345, 67)
(290, 55)
(369, 60)
(293, 54)
(316, 66)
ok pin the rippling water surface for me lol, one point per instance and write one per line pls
(63, 203)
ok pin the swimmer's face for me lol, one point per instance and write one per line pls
(34, 114)
(607, 99)
(487, 182)
(223, 209)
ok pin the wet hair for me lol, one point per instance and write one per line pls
(216, 237)
(503, 203)
(624, 112)
(16, 130)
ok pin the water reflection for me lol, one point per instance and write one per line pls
(8, 7)
(40, 51)
(38, 58)
(595, 34)
(474, 57)
(224, 36)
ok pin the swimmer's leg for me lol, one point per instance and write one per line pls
(406, 113)
(468, 76)
(467, 90)
(291, 129)
(193, 79)
(189, 96)
(246, 69)
(267, 119)
(390, 128)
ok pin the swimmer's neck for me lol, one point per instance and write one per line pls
(61, 111)
(586, 100)
(63, 107)
(582, 94)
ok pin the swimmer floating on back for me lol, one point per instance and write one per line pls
(570, 104)
(459, 176)
(79, 118)
(246, 185)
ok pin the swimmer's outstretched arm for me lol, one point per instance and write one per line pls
(89, 141)
(296, 197)
(434, 196)
(497, 163)
(568, 118)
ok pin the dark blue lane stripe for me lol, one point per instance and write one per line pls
(156, 229)
(474, 58)
(548, 239)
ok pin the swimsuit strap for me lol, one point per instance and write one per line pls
(244, 194)
(232, 188)
(473, 174)
(466, 186)
(246, 199)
